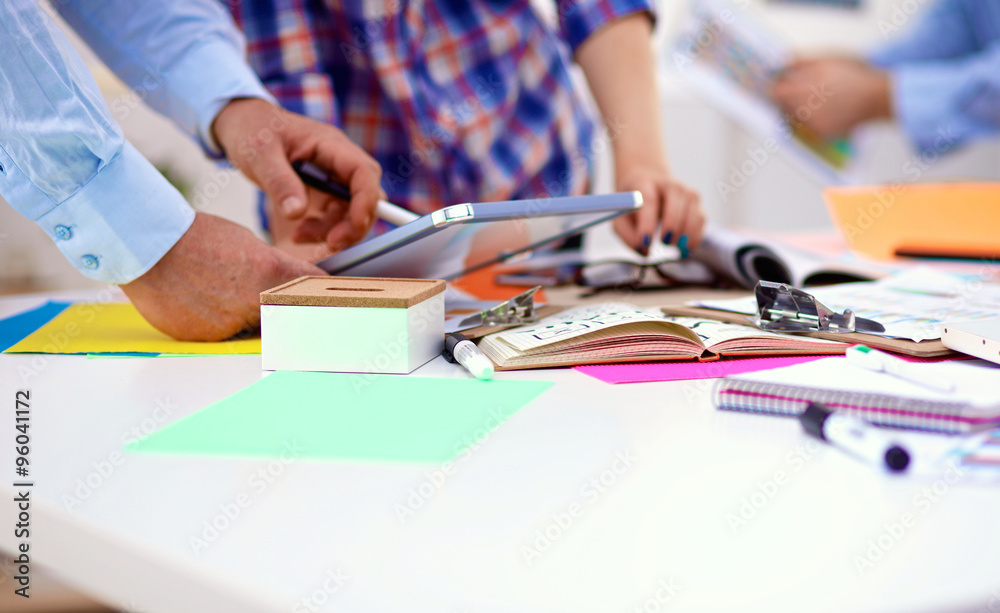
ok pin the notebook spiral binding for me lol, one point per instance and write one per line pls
(880, 409)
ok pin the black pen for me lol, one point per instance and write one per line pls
(316, 178)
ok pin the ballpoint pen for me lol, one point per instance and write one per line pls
(315, 177)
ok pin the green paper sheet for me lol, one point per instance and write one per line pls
(392, 418)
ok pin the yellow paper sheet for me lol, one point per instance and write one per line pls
(117, 328)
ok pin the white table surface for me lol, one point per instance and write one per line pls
(327, 536)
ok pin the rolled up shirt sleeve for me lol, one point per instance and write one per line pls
(945, 77)
(945, 104)
(184, 58)
(578, 19)
(64, 162)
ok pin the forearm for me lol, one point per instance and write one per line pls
(185, 58)
(942, 105)
(619, 63)
(64, 163)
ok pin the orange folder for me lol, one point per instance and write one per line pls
(957, 220)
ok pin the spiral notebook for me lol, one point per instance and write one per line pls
(875, 397)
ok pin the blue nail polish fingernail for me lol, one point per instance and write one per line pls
(682, 244)
(645, 241)
(668, 237)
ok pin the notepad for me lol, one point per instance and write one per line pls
(312, 415)
(116, 327)
(617, 332)
(876, 397)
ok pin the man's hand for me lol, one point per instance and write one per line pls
(671, 211)
(833, 95)
(207, 287)
(262, 140)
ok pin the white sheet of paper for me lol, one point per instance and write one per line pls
(898, 304)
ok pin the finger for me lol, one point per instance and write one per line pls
(674, 214)
(341, 236)
(292, 267)
(648, 217)
(360, 172)
(275, 176)
(694, 221)
(315, 228)
(782, 91)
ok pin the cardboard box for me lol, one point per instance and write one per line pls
(352, 324)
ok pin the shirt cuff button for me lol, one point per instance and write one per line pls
(89, 261)
(63, 233)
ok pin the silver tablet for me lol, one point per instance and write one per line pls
(977, 337)
(461, 238)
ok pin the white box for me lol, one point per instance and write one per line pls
(352, 324)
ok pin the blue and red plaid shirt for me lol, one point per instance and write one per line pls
(458, 101)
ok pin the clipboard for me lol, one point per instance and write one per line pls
(924, 349)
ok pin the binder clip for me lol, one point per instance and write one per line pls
(783, 308)
(518, 310)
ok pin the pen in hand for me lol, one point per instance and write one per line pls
(316, 178)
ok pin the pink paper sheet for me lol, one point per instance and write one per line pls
(681, 371)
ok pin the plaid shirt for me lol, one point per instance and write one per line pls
(458, 101)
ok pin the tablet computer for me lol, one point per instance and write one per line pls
(978, 337)
(461, 238)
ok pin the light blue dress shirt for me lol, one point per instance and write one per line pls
(63, 160)
(945, 71)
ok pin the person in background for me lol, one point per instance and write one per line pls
(65, 164)
(473, 101)
(941, 81)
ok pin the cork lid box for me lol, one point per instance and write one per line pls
(352, 324)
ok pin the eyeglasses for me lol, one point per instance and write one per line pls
(623, 274)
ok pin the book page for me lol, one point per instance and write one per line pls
(716, 333)
(582, 320)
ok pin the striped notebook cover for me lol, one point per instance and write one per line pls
(875, 397)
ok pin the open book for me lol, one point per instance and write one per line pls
(746, 259)
(740, 256)
(614, 332)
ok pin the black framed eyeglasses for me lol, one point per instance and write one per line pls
(624, 274)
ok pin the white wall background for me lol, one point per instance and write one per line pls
(704, 146)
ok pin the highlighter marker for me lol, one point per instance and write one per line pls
(459, 349)
(854, 436)
(879, 361)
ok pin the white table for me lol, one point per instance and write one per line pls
(655, 531)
